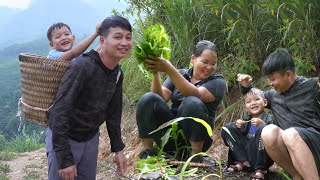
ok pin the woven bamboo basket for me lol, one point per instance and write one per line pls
(40, 79)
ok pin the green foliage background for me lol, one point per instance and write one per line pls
(245, 31)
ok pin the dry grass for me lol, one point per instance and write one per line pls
(33, 165)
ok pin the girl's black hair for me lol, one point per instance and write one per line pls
(203, 45)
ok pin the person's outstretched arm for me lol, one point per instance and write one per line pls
(81, 47)
(245, 82)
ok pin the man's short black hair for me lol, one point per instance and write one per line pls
(279, 61)
(114, 21)
(56, 26)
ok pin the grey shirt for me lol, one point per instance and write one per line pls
(214, 83)
(298, 106)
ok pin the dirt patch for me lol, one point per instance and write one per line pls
(28, 165)
(33, 165)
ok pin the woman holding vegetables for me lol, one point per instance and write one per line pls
(196, 92)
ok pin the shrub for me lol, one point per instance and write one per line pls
(26, 142)
(2, 142)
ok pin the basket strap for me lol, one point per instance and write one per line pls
(21, 116)
(35, 108)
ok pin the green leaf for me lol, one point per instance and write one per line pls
(186, 164)
(156, 42)
(201, 121)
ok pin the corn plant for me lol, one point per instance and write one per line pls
(174, 133)
(158, 163)
(201, 121)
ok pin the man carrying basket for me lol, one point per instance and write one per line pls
(90, 94)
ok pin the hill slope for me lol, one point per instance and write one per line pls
(21, 26)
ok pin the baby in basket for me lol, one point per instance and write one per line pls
(61, 41)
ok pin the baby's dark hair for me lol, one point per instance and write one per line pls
(56, 26)
(114, 21)
(255, 91)
(203, 45)
(279, 61)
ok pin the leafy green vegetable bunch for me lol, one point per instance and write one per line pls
(156, 42)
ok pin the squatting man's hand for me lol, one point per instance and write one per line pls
(244, 79)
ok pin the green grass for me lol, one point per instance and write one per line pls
(10, 93)
(3, 177)
(24, 141)
(22, 144)
(7, 156)
(4, 170)
(32, 171)
(31, 175)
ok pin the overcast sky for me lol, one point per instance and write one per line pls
(23, 4)
(15, 4)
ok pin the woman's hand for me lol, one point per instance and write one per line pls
(156, 64)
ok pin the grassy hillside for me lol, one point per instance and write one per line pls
(10, 84)
(9, 95)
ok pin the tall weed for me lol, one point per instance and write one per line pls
(245, 32)
(25, 142)
(2, 142)
(4, 170)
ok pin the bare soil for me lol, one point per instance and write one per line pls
(33, 165)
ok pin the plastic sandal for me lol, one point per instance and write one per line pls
(235, 168)
(259, 174)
